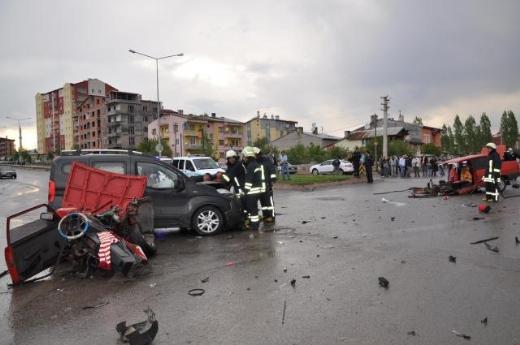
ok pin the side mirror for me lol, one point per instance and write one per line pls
(47, 216)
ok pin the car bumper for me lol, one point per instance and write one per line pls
(234, 216)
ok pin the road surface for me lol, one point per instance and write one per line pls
(342, 238)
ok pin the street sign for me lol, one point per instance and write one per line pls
(159, 148)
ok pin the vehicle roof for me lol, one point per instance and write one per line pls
(193, 157)
(465, 158)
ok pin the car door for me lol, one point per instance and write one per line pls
(326, 167)
(164, 187)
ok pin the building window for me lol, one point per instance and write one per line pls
(93, 134)
(130, 108)
(131, 119)
(97, 101)
(154, 131)
(221, 142)
(98, 112)
(131, 130)
(131, 141)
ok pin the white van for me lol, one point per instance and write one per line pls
(195, 166)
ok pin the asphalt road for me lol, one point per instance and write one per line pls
(348, 240)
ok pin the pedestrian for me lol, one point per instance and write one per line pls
(252, 187)
(268, 177)
(284, 166)
(493, 170)
(397, 169)
(415, 164)
(335, 165)
(393, 165)
(369, 162)
(424, 166)
(408, 166)
(433, 163)
(402, 166)
(355, 161)
(385, 167)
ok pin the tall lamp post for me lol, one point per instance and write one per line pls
(19, 129)
(159, 146)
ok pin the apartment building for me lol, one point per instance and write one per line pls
(269, 128)
(7, 148)
(128, 117)
(61, 115)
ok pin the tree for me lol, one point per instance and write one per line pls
(417, 121)
(262, 144)
(431, 149)
(297, 154)
(148, 146)
(207, 146)
(399, 147)
(471, 135)
(445, 139)
(509, 129)
(458, 135)
(485, 130)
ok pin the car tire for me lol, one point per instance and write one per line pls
(207, 221)
(341, 172)
(315, 172)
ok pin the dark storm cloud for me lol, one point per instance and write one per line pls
(325, 62)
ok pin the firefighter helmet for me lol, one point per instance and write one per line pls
(230, 153)
(256, 150)
(491, 146)
(248, 151)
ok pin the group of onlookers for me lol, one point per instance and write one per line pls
(406, 165)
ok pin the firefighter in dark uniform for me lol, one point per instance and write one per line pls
(252, 187)
(492, 177)
(235, 174)
(268, 178)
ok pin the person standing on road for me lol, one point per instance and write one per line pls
(335, 164)
(493, 170)
(402, 166)
(235, 174)
(355, 161)
(393, 166)
(369, 162)
(252, 187)
(424, 166)
(284, 166)
(268, 176)
(415, 164)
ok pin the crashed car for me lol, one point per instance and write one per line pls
(105, 223)
(464, 175)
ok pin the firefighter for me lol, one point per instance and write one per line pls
(235, 174)
(492, 177)
(252, 187)
(268, 178)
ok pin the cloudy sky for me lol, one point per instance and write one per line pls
(311, 61)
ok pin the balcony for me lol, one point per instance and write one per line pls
(193, 146)
(233, 135)
(191, 133)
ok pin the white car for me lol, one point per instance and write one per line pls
(195, 166)
(326, 167)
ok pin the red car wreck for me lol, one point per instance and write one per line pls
(104, 223)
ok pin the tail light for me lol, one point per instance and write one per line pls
(11, 266)
(52, 191)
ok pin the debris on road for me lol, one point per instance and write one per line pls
(412, 333)
(484, 321)
(478, 218)
(453, 259)
(102, 304)
(469, 204)
(517, 241)
(390, 202)
(392, 219)
(335, 237)
(293, 283)
(285, 269)
(152, 285)
(283, 311)
(142, 333)
(492, 248)
(4, 273)
(383, 282)
(230, 263)
(306, 277)
(305, 221)
(196, 292)
(462, 335)
(486, 240)
(205, 280)
(483, 208)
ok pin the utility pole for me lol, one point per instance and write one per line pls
(386, 100)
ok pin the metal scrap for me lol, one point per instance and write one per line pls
(383, 282)
(102, 304)
(462, 335)
(283, 311)
(141, 333)
(196, 292)
(492, 248)
(486, 240)
(452, 259)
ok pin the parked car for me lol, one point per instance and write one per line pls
(326, 167)
(178, 201)
(7, 172)
(196, 167)
(293, 169)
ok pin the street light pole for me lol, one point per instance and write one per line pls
(159, 145)
(19, 129)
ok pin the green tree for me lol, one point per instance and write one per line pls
(418, 121)
(485, 130)
(431, 149)
(471, 135)
(445, 139)
(262, 144)
(399, 147)
(458, 135)
(297, 154)
(207, 146)
(509, 128)
(148, 146)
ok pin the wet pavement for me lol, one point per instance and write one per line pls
(342, 239)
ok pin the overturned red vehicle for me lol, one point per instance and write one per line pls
(104, 223)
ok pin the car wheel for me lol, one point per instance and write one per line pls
(341, 172)
(315, 172)
(207, 220)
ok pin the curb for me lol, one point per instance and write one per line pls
(323, 185)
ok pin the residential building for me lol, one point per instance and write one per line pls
(497, 139)
(128, 119)
(7, 148)
(299, 137)
(58, 115)
(189, 134)
(414, 134)
(270, 128)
